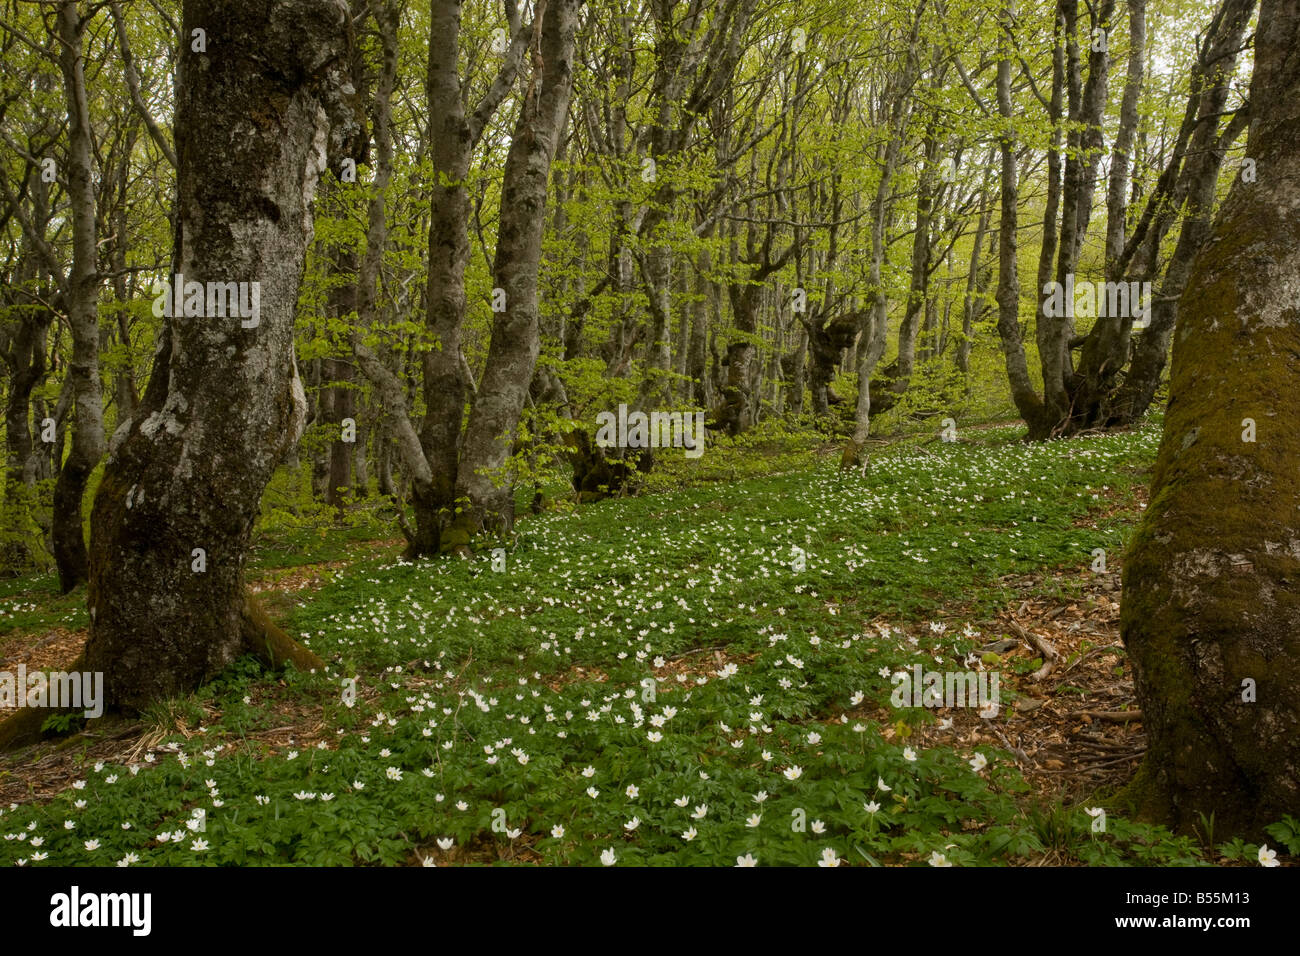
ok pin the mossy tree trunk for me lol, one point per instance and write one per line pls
(224, 401)
(1211, 615)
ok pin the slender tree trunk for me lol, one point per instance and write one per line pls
(1211, 617)
(1022, 389)
(387, 17)
(81, 295)
(339, 402)
(894, 381)
(1106, 348)
(971, 301)
(875, 319)
(451, 143)
(432, 457)
(514, 347)
(875, 328)
(22, 347)
(1043, 324)
(1189, 183)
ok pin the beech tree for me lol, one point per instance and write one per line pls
(456, 486)
(1211, 617)
(174, 511)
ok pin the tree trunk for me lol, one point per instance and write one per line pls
(1191, 183)
(23, 349)
(81, 293)
(224, 400)
(736, 413)
(893, 383)
(514, 347)
(451, 142)
(1106, 348)
(1211, 617)
(874, 326)
(431, 457)
(971, 304)
(1008, 296)
(339, 401)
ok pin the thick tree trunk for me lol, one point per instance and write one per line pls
(736, 413)
(1211, 616)
(174, 512)
(798, 373)
(826, 344)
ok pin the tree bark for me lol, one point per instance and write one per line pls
(81, 294)
(1210, 608)
(875, 319)
(1008, 296)
(224, 400)
(1106, 348)
(1190, 182)
(972, 306)
(431, 456)
(514, 347)
(339, 402)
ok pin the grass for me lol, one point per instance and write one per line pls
(692, 677)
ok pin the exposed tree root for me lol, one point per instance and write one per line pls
(266, 641)
(261, 637)
(24, 727)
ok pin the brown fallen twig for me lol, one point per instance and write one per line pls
(1115, 716)
(1045, 647)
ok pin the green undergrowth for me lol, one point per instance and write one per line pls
(691, 677)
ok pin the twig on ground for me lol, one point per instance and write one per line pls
(1045, 647)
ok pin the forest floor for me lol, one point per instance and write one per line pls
(698, 675)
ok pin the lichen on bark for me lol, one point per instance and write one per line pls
(260, 113)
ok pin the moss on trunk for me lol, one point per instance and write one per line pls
(1211, 611)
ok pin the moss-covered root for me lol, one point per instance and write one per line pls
(24, 728)
(265, 640)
